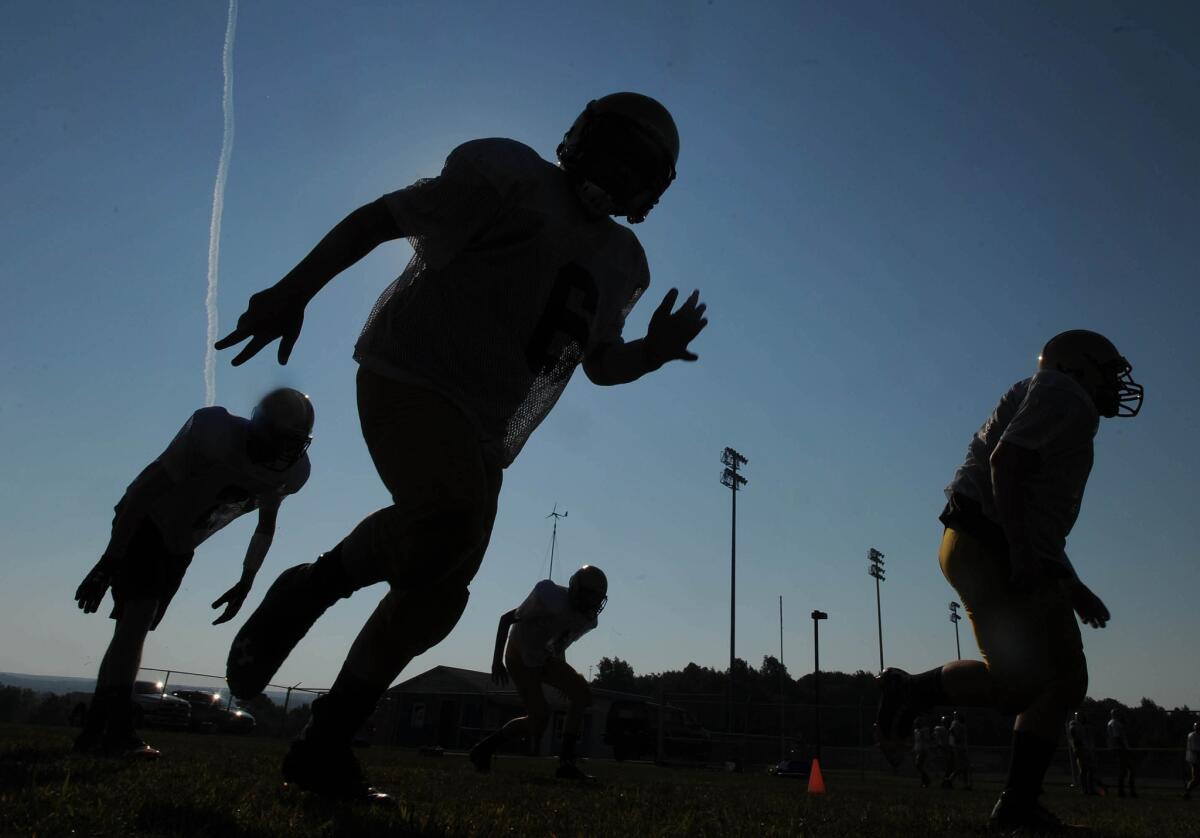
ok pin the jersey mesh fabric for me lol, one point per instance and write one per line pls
(509, 287)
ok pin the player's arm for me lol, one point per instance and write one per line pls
(278, 312)
(666, 339)
(151, 484)
(499, 673)
(256, 553)
(1012, 466)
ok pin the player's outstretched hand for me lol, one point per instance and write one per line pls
(499, 674)
(270, 314)
(1087, 605)
(669, 333)
(232, 600)
(93, 587)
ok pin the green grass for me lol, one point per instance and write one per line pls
(217, 785)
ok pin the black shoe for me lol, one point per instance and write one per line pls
(1016, 813)
(895, 717)
(481, 757)
(330, 771)
(570, 771)
(292, 604)
(128, 746)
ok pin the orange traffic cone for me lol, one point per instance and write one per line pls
(816, 783)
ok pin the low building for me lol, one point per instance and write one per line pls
(454, 708)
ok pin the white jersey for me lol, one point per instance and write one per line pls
(214, 479)
(1051, 414)
(510, 286)
(958, 734)
(1193, 747)
(546, 624)
(941, 736)
(1116, 734)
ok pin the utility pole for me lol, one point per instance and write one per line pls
(875, 568)
(954, 618)
(782, 698)
(733, 481)
(817, 616)
(554, 536)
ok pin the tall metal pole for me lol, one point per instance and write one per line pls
(554, 535)
(875, 568)
(817, 616)
(730, 478)
(782, 699)
(954, 618)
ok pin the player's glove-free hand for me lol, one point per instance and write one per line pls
(499, 673)
(270, 314)
(232, 600)
(93, 587)
(669, 333)
(1087, 605)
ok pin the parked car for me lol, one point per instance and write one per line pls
(154, 708)
(208, 712)
(631, 730)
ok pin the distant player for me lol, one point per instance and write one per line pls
(218, 467)
(542, 627)
(1192, 758)
(519, 275)
(1011, 505)
(922, 745)
(1118, 743)
(1083, 746)
(961, 753)
(941, 746)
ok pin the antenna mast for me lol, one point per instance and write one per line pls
(555, 514)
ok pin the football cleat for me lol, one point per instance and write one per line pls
(129, 747)
(896, 714)
(571, 771)
(1015, 814)
(285, 615)
(330, 771)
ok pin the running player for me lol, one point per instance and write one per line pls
(218, 467)
(518, 276)
(1011, 505)
(542, 627)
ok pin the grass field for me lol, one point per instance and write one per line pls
(217, 785)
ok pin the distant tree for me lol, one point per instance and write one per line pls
(614, 674)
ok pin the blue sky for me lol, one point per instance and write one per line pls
(888, 209)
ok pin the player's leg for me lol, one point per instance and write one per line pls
(560, 675)
(973, 569)
(527, 681)
(1193, 780)
(443, 502)
(112, 699)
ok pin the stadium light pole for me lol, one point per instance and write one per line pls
(875, 568)
(782, 704)
(733, 481)
(954, 618)
(555, 514)
(817, 616)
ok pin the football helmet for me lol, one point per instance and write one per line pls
(588, 590)
(621, 153)
(281, 429)
(1093, 361)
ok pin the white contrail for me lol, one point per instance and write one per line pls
(218, 205)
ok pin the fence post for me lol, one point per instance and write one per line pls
(662, 724)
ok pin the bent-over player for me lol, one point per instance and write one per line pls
(542, 627)
(519, 276)
(1010, 507)
(218, 467)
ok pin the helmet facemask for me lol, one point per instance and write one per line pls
(280, 430)
(613, 155)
